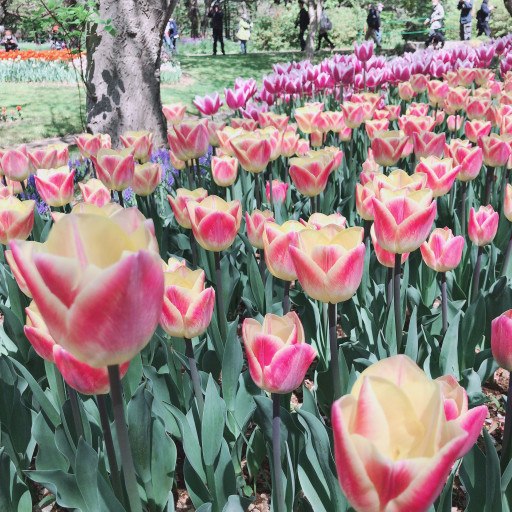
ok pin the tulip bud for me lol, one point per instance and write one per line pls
(501, 340)
(483, 225)
(443, 251)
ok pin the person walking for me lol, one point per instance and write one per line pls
(325, 26)
(171, 36)
(482, 18)
(217, 16)
(373, 23)
(244, 33)
(435, 35)
(465, 7)
(303, 23)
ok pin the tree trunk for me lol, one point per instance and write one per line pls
(315, 12)
(508, 6)
(193, 16)
(123, 72)
(3, 10)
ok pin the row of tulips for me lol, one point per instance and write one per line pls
(100, 287)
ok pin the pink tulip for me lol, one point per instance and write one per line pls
(353, 114)
(385, 258)
(428, 144)
(215, 223)
(437, 92)
(387, 147)
(329, 262)
(364, 200)
(16, 219)
(253, 151)
(476, 129)
(310, 173)
(456, 99)
(16, 273)
(190, 139)
(278, 121)
(213, 130)
(454, 123)
(277, 354)
(38, 335)
(235, 99)
(399, 181)
(402, 223)
(440, 174)
(82, 377)
(255, 224)
(470, 161)
(146, 178)
(174, 113)
(289, 142)
(415, 124)
(141, 142)
(443, 251)
(51, 157)
(483, 225)
(279, 191)
(395, 391)
(115, 169)
(496, 150)
(320, 220)
(102, 304)
(224, 170)
(89, 145)
(177, 164)
(501, 340)
(94, 192)
(56, 186)
(188, 305)
(15, 163)
(248, 125)
(179, 204)
(277, 241)
(405, 91)
(477, 108)
(364, 51)
(375, 126)
(208, 104)
(507, 207)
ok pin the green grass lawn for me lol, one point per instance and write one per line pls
(54, 110)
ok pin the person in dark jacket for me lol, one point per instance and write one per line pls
(9, 42)
(216, 14)
(465, 7)
(303, 24)
(482, 18)
(373, 23)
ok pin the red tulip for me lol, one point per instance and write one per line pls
(443, 251)
(483, 225)
(277, 354)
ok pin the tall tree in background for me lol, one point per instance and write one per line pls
(123, 68)
(508, 6)
(315, 13)
(193, 16)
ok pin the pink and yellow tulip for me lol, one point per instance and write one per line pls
(255, 224)
(16, 219)
(443, 251)
(146, 178)
(115, 169)
(94, 192)
(179, 204)
(483, 225)
(501, 340)
(141, 142)
(224, 170)
(440, 174)
(56, 186)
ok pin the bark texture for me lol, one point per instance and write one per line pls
(508, 6)
(193, 16)
(123, 73)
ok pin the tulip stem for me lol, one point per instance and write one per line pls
(286, 298)
(146, 204)
(270, 186)
(476, 276)
(193, 248)
(77, 418)
(276, 452)
(257, 190)
(389, 287)
(120, 197)
(507, 257)
(220, 297)
(444, 302)
(489, 178)
(191, 184)
(123, 439)
(396, 301)
(25, 195)
(503, 187)
(313, 205)
(194, 375)
(463, 209)
(333, 342)
(506, 447)
(115, 477)
(318, 203)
